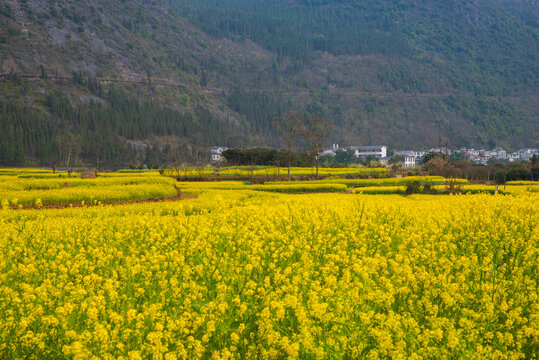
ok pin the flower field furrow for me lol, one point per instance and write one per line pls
(300, 188)
(58, 183)
(523, 183)
(247, 274)
(402, 181)
(72, 190)
(377, 190)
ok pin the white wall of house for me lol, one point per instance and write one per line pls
(410, 161)
(216, 152)
(378, 151)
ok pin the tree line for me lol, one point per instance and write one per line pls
(266, 157)
(312, 128)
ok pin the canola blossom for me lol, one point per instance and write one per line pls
(71, 190)
(523, 182)
(238, 274)
(300, 187)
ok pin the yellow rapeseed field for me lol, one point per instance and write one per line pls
(241, 274)
(272, 171)
(17, 190)
(392, 181)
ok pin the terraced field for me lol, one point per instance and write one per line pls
(240, 273)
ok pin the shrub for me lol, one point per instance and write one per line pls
(452, 187)
(413, 188)
(428, 189)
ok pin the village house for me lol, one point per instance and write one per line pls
(378, 151)
(499, 153)
(411, 158)
(527, 153)
(331, 150)
(404, 153)
(216, 153)
(410, 161)
(445, 151)
(513, 157)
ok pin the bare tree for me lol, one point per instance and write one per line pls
(314, 129)
(77, 147)
(69, 146)
(288, 127)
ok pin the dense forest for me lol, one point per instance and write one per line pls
(426, 68)
(112, 83)
(476, 38)
(61, 133)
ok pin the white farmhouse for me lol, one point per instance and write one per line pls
(216, 153)
(411, 158)
(331, 150)
(410, 161)
(379, 151)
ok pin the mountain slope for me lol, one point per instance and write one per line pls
(171, 78)
(70, 47)
(401, 72)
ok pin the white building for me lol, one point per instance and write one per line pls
(499, 153)
(216, 153)
(410, 161)
(443, 151)
(526, 154)
(411, 158)
(331, 150)
(484, 153)
(404, 153)
(379, 151)
(513, 157)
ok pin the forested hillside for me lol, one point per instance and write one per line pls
(396, 71)
(113, 83)
(118, 82)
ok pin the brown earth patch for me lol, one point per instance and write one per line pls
(87, 175)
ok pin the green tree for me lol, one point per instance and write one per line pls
(396, 159)
(344, 157)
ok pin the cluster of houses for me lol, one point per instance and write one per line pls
(412, 158)
(481, 156)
